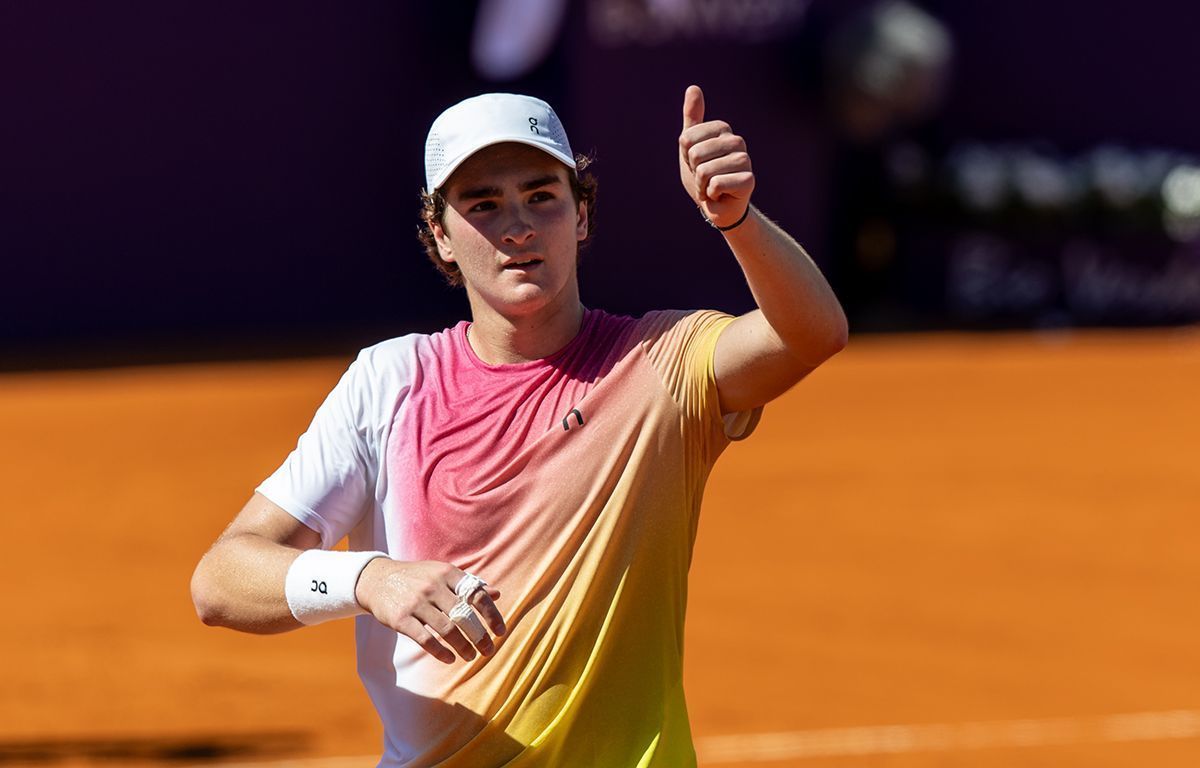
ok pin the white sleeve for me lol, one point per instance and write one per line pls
(328, 481)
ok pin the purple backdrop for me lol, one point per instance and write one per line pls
(188, 178)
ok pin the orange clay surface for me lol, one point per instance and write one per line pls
(930, 530)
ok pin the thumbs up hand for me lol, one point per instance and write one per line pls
(713, 163)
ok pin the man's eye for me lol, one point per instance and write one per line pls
(540, 196)
(485, 205)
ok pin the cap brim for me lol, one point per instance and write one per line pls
(449, 168)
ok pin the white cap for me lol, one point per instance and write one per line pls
(493, 118)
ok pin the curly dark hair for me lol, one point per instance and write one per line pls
(433, 208)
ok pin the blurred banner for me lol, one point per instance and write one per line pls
(215, 179)
(1008, 235)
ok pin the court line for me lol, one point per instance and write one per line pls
(861, 741)
(947, 737)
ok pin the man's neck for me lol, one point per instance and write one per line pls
(500, 340)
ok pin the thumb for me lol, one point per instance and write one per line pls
(693, 106)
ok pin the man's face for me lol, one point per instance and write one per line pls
(513, 228)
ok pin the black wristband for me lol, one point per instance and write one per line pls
(737, 223)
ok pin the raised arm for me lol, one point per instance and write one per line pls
(799, 323)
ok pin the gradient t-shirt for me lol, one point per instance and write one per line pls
(573, 485)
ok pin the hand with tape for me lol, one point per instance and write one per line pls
(714, 165)
(414, 597)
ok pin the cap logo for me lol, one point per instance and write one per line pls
(533, 126)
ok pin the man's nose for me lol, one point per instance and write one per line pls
(517, 228)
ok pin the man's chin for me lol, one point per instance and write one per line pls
(520, 300)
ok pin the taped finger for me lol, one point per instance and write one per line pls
(467, 585)
(485, 605)
(452, 636)
(465, 619)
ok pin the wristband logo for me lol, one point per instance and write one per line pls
(320, 586)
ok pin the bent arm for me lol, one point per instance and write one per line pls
(239, 583)
(798, 324)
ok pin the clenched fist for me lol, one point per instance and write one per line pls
(713, 163)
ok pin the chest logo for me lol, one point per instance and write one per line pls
(566, 419)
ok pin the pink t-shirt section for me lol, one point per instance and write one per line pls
(474, 425)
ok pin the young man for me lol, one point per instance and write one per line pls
(521, 491)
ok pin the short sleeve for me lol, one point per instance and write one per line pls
(327, 481)
(682, 346)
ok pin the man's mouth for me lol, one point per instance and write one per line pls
(527, 264)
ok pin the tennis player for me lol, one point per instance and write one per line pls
(521, 491)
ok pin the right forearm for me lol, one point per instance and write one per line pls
(267, 569)
(239, 584)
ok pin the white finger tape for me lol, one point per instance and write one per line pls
(467, 585)
(465, 619)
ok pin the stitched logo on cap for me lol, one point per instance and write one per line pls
(533, 126)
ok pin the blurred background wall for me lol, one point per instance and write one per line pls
(191, 180)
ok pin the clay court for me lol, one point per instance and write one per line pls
(939, 551)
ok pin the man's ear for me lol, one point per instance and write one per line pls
(581, 222)
(444, 246)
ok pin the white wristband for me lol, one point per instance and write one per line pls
(320, 584)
